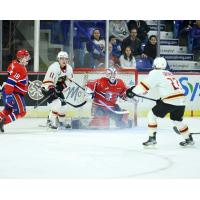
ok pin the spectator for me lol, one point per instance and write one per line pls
(96, 48)
(196, 40)
(134, 42)
(150, 49)
(113, 60)
(142, 28)
(119, 29)
(116, 48)
(184, 28)
(127, 60)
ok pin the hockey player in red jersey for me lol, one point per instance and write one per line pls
(171, 101)
(105, 92)
(14, 89)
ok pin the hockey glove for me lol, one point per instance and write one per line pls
(60, 87)
(49, 92)
(130, 93)
(159, 101)
(9, 100)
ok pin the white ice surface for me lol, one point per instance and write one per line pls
(30, 151)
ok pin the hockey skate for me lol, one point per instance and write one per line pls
(151, 141)
(2, 124)
(63, 126)
(187, 142)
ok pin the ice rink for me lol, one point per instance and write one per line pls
(28, 150)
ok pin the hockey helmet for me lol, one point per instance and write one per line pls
(62, 54)
(23, 53)
(160, 63)
(111, 74)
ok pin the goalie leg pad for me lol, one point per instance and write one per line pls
(100, 122)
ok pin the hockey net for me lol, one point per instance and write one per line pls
(75, 94)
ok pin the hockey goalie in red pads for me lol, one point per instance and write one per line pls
(105, 92)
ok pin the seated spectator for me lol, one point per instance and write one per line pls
(113, 60)
(141, 27)
(119, 29)
(133, 42)
(150, 49)
(116, 48)
(196, 40)
(96, 48)
(127, 60)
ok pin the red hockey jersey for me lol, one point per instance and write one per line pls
(106, 91)
(17, 81)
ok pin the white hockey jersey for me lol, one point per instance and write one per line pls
(55, 72)
(168, 87)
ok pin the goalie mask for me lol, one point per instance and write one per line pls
(111, 74)
(160, 63)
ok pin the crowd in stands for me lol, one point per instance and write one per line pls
(129, 44)
(188, 33)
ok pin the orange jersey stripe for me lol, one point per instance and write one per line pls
(48, 82)
(184, 130)
(144, 86)
(174, 96)
(152, 125)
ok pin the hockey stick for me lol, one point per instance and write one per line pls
(75, 106)
(41, 102)
(113, 111)
(146, 98)
(76, 84)
(177, 131)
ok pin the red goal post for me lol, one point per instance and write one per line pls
(129, 76)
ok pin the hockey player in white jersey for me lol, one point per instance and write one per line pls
(57, 78)
(171, 101)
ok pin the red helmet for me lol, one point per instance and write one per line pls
(22, 53)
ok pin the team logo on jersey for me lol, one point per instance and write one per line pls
(34, 90)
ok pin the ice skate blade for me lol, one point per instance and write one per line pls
(151, 146)
(190, 145)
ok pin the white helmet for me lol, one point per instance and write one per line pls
(160, 63)
(111, 74)
(62, 54)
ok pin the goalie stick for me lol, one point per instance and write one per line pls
(114, 111)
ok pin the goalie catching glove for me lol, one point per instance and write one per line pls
(130, 93)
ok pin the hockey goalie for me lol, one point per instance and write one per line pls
(104, 93)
